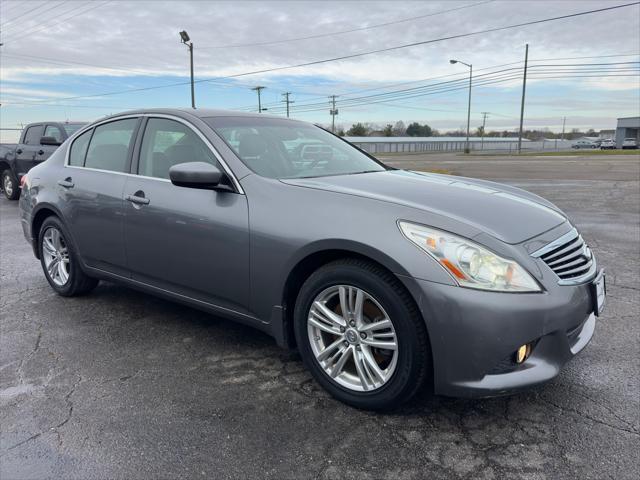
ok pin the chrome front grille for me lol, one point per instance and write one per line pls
(569, 257)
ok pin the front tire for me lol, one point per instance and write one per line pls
(60, 262)
(360, 335)
(10, 185)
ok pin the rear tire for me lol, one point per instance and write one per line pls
(404, 369)
(10, 185)
(60, 262)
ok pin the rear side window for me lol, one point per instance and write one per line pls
(167, 143)
(110, 145)
(79, 149)
(32, 135)
(53, 131)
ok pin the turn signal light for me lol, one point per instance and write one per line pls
(523, 353)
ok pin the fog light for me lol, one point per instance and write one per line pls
(523, 353)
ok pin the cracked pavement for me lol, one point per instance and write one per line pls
(119, 384)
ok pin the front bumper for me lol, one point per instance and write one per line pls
(474, 335)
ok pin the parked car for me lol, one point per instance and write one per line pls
(608, 144)
(630, 143)
(383, 279)
(37, 142)
(584, 144)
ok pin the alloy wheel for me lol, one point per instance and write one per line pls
(56, 256)
(7, 185)
(352, 337)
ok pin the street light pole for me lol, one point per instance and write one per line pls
(524, 89)
(467, 149)
(184, 37)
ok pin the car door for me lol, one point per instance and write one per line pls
(26, 151)
(92, 186)
(189, 241)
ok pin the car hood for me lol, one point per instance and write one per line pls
(507, 213)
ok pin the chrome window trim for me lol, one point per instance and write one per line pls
(206, 141)
(567, 237)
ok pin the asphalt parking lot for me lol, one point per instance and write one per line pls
(119, 384)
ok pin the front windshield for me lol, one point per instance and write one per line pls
(280, 148)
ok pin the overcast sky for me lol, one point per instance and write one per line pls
(64, 49)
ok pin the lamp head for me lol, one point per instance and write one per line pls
(452, 62)
(184, 36)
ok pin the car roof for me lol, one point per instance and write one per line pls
(198, 112)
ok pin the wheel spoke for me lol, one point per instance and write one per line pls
(331, 317)
(389, 345)
(48, 246)
(376, 325)
(346, 353)
(363, 374)
(52, 268)
(328, 351)
(320, 322)
(371, 363)
(55, 237)
(62, 272)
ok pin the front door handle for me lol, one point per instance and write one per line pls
(66, 183)
(40, 152)
(19, 151)
(138, 198)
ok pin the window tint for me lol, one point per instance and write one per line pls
(109, 147)
(79, 149)
(279, 148)
(167, 143)
(53, 131)
(33, 134)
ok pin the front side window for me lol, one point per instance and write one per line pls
(167, 143)
(32, 135)
(110, 144)
(280, 148)
(53, 131)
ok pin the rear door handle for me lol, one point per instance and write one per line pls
(138, 200)
(19, 151)
(66, 183)
(40, 152)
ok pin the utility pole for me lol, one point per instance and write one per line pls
(184, 37)
(259, 89)
(333, 112)
(484, 122)
(564, 121)
(287, 101)
(524, 89)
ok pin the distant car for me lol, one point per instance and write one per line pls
(630, 143)
(584, 144)
(37, 142)
(608, 144)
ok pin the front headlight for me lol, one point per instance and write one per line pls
(468, 263)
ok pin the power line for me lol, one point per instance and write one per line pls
(323, 35)
(47, 24)
(370, 52)
(4, 24)
(38, 14)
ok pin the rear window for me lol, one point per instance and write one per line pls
(79, 149)
(72, 128)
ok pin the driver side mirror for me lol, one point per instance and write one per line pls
(50, 141)
(198, 175)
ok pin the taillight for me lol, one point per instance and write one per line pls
(23, 181)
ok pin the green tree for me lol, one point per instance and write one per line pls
(417, 130)
(388, 130)
(357, 130)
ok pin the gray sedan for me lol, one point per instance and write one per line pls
(384, 280)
